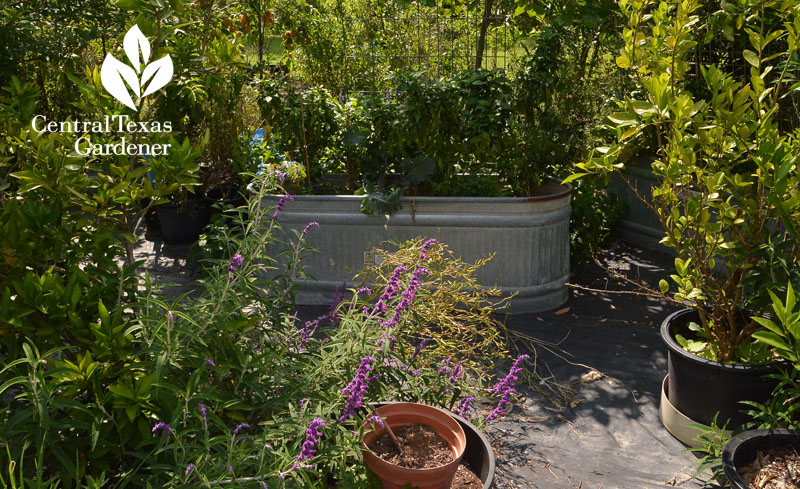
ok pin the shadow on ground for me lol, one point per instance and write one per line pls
(605, 433)
(606, 348)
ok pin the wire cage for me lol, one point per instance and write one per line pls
(435, 40)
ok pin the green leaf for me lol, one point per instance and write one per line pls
(129, 4)
(131, 412)
(122, 391)
(95, 431)
(573, 177)
(758, 84)
(630, 132)
(623, 61)
(103, 312)
(13, 364)
(663, 285)
(771, 339)
(418, 170)
(680, 266)
(642, 107)
(622, 118)
(751, 58)
(727, 32)
(14, 381)
(768, 324)
(790, 299)
(786, 217)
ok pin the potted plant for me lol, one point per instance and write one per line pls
(393, 417)
(725, 195)
(478, 453)
(748, 453)
(775, 445)
(182, 212)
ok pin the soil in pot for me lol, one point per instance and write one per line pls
(399, 415)
(777, 469)
(478, 463)
(422, 447)
(466, 479)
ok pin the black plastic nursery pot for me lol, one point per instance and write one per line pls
(183, 223)
(743, 449)
(699, 388)
(478, 454)
(151, 216)
(224, 198)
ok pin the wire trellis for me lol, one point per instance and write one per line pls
(431, 40)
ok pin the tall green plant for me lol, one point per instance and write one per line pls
(728, 176)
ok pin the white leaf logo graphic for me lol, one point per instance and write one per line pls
(115, 75)
(134, 44)
(112, 75)
(161, 71)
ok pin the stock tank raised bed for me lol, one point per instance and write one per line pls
(529, 236)
(639, 224)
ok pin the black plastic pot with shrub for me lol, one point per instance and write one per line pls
(182, 223)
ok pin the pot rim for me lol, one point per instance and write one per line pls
(674, 347)
(736, 443)
(492, 462)
(565, 191)
(456, 460)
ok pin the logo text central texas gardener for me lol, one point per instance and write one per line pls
(140, 79)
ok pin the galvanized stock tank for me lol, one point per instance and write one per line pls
(530, 236)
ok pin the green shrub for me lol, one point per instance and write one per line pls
(223, 387)
(727, 171)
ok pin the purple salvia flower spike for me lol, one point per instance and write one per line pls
(163, 426)
(421, 346)
(237, 261)
(281, 204)
(356, 388)
(312, 224)
(505, 388)
(463, 408)
(242, 426)
(313, 434)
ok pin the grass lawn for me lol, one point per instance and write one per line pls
(273, 50)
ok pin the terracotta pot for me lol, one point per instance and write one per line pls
(478, 455)
(406, 413)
